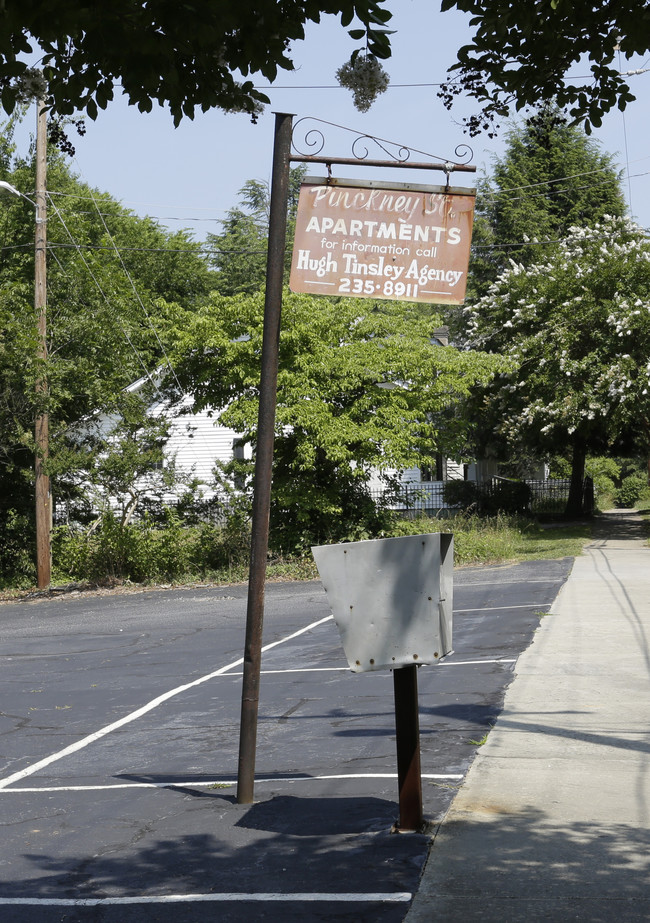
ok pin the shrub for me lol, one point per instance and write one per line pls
(507, 497)
(632, 488)
(17, 542)
(460, 493)
(323, 510)
(605, 472)
(162, 549)
(501, 497)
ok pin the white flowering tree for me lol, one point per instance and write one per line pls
(578, 327)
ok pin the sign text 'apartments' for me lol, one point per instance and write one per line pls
(406, 244)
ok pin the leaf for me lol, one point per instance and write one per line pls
(380, 16)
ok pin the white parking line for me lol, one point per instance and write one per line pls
(299, 670)
(539, 607)
(459, 584)
(310, 897)
(220, 783)
(467, 663)
(442, 663)
(139, 712)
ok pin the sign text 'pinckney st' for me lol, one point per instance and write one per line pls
(406, 243)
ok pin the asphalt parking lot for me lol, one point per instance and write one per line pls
(119, 742)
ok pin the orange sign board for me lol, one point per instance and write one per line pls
(403, 243)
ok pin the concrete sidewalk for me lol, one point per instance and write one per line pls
(553, 820)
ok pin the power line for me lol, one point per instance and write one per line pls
(139, 299)
(194, 218)
(103, 294)
(78, 195)
(539, 243)
(561, 179)
(198, 249)
(549, 193)
(147, 249)
(152, 218)
(627, 157)
(409, 86)
(52, 245)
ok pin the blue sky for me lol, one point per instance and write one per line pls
(188, 177)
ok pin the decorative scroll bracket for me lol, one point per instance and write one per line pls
(313, 137)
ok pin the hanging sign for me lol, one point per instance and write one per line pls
(395, 241)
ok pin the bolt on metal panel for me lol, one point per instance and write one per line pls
(392, 598)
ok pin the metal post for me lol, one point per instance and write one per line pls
(43, 498)
(407, 727)
(264, 456)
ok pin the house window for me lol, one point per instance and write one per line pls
(439, 473)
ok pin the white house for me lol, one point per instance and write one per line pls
(197, 443)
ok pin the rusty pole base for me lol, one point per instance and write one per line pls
(407, 727)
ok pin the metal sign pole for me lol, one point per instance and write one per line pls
(264, 457)
(407, 729)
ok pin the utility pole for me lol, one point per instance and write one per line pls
(43, 497)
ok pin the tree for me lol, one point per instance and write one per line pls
(360, 387)
(111, 279)
(577, 325)
(520, 53)
(110, 274)
(240, 250)
(551, 177)
(181, 58)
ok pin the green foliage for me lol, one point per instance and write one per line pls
(115, 463)
(559, 467)
(503, 496)
(605, 473)
(577, 326)
(547, 40)
(103, 326)
(463, 494)
(183, 60)
(169, 552)
(508, 497)
(188, 62)
(361, 387)
(603, 468)
(111, 277)
(499, 538)
(633, 488)
(240, 249)
(148, 550)
(550, 178)
(17, 566)
(618, 481)
(331, 504)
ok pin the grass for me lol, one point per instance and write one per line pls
(503, 539)
(483, 740)
(490, 540)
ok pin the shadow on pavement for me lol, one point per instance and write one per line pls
(619, 525)
(522, 870)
